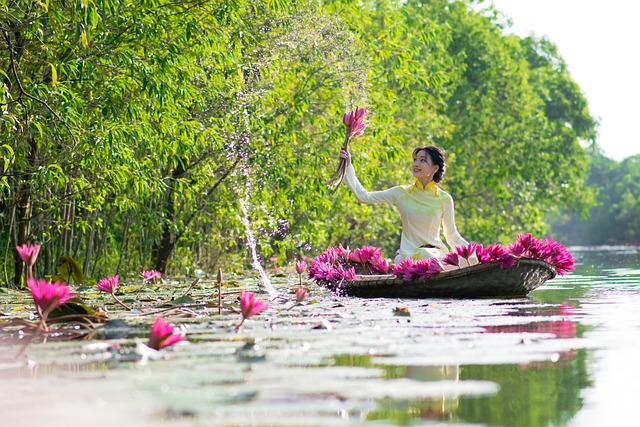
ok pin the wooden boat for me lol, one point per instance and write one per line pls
(476, 281)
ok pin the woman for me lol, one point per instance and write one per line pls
(423, 206)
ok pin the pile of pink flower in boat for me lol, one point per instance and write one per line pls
(337, 264)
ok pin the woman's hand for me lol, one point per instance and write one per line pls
(344, 154)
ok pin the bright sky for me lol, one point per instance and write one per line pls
(599, 41)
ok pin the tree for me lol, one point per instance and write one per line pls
(152, 134)
(615, 219)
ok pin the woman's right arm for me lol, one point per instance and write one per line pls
(368, 197)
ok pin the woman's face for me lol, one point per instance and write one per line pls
(423, 167)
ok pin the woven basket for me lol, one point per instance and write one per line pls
(476, 281)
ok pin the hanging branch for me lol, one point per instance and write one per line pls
(14, 71)
(353, 121)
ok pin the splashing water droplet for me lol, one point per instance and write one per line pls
(251, 241)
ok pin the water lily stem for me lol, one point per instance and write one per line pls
(43, 320)
(195, 282)
(120, 302)
(219, 290)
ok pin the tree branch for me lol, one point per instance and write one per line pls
(7, 39)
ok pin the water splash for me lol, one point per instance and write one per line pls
(251, 242)
(239, 142)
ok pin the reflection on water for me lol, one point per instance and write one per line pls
(541, 394)
(549, 392)
(559, 357)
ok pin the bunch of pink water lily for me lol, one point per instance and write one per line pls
(337, 264)
(370, 258)
(420, 269)
(547, 250)
(354, 127)
(526, 246)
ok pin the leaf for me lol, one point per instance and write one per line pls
(54, 74)
(68, 268)
(75, 306)
(182, 300)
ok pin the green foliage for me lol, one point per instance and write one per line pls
(615, 219)
(133, 133)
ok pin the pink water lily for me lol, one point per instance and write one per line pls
(340, 273)
(482, 254)
(250, 306)
(301, 295)
(380, 264)
(547, 250)
(497, 253)
(48, 296)
(109, 286)
(422, 269)
(29, 255)
(365, 254)
(516, 249)
(300, 266)
(435, 267)
(452, 258)
(557, 255)
(404, 269)
(150, 275)
(353, 121)
(342, 252)
(162, 334)
(327, 269)
(532, 246)
(466, 251)
(354, 127)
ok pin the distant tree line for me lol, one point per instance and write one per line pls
(615, 218)
(138, 135)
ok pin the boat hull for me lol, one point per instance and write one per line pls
(476, 281)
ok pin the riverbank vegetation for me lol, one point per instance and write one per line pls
(155, 134)
(615, 218)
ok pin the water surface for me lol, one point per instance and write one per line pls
(562, 356)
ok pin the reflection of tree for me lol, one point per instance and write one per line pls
(537, 394)
(404, 412)
(547, 394)
(534, 394)
(440, 408)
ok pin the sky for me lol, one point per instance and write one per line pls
(599, 42)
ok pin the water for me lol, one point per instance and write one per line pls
(251, 242)
(565, 356)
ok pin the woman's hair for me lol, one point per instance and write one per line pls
(436, 154)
